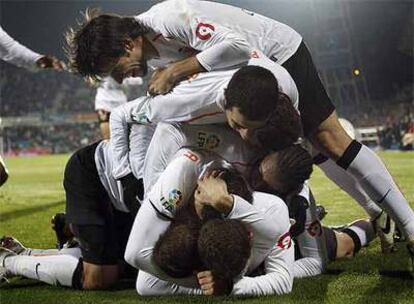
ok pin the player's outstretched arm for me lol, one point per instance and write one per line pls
(17, 54)
(214, 46)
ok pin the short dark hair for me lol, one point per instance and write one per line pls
(224, 247)
(283, 128)
(291, 167)
(99, 41)
(254, 91)
(175, 252)
(237, 184)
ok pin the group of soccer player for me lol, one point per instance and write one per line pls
(203, 184)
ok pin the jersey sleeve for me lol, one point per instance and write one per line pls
(278, 277)
(186, 104)
(16, 53)
(148, 226)
(219, 46)
(264, 223)
(311, 241)
(176, 184)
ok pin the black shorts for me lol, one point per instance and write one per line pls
(102, 231)
(314, 103)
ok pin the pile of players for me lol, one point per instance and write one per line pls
(202, 186)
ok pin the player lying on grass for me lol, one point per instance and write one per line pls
(296, 164)
(198, 36)
(154, 282)
(267, 218)
(375, 182)
(100, 211)
(293, 162)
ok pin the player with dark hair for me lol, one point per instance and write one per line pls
(267, 217)
(322, 128)
(225, 255)
(206, 40)
(97, 46)
(285, 173)
(176, 250)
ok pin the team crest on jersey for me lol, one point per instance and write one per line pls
(174, 198)
(207, 141)
(204, 31)
(285, 241)
(140, 118)
(315, 229)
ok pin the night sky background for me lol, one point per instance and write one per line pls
(382, 30)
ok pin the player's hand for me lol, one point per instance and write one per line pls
(161, 82)
(212, 190)
(213, 286)
(133, 190)
(206, 281)
(51, 62)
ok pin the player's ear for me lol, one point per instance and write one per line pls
(129, 45)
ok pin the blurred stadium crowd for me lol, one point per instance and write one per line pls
(51, 97)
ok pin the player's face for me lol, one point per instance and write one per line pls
(133, 63)
(245, 127)
(263, 179)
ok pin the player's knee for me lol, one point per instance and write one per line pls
(331, 141)
(132, 255)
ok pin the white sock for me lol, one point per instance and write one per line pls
(75, 252)
(55, 270)
(347, 183)
(374, 178)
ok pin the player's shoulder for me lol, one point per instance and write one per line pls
(267, 201)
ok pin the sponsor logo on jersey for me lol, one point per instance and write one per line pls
(191, 156)
(315, 229)
(204, 31)
(174, 198)
(140, 118)
(285, 241)
(207, 141)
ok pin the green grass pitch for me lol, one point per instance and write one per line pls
(34, 193)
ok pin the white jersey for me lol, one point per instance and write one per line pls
(15, 53)
(199, 100)
(104, 165)
(311, 241)
(111, 94)
(267, 218)
(219, 138)
(220, 35)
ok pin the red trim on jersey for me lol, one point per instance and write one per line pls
(206, 33)
(285, 241)
(201, 116)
